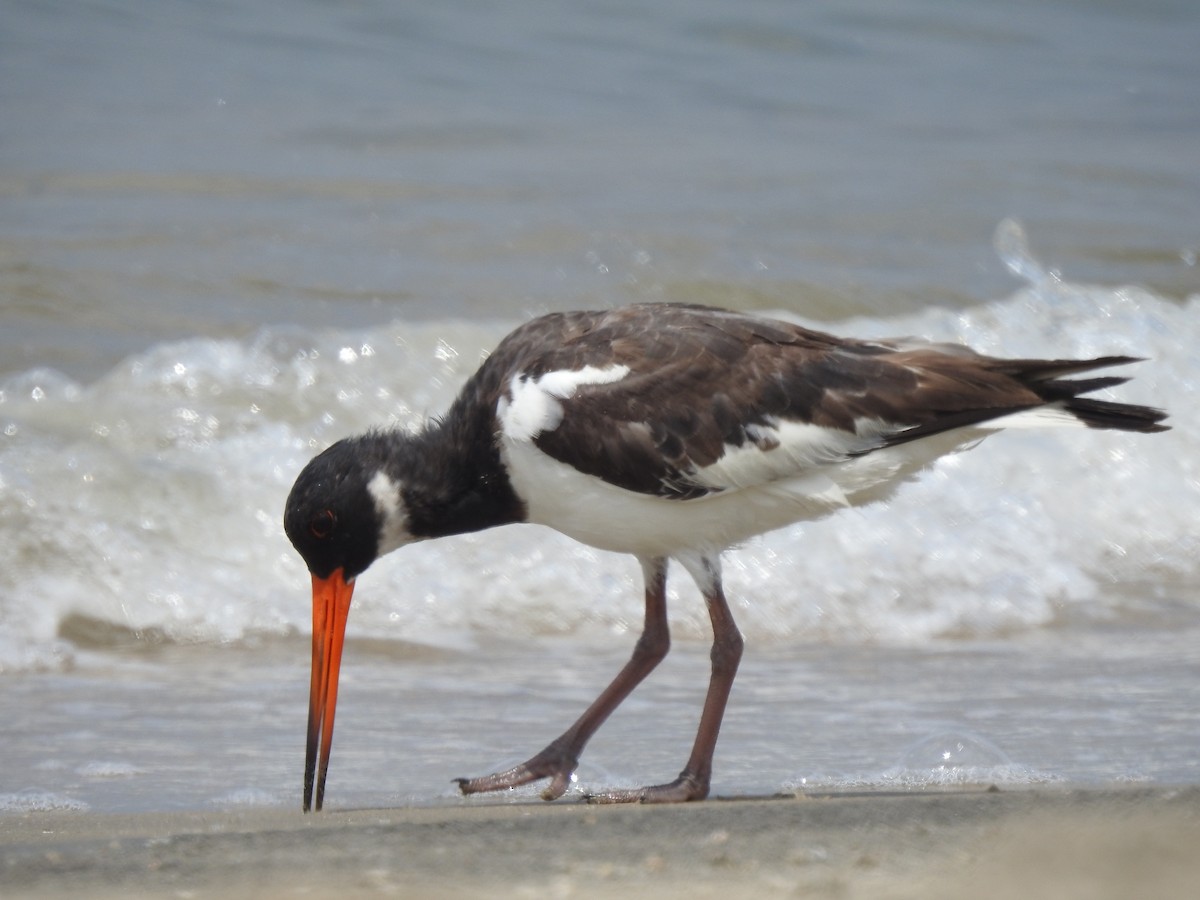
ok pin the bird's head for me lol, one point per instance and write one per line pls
(332, 518)
(343, 512)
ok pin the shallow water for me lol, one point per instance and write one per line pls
(228, 239)
(1028, 608)
(170, 171)
(193, 728)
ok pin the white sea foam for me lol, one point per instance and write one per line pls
(39, 801)
(251, 797)
(150, 500)
(108, 769)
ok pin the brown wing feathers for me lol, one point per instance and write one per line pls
(701, 380)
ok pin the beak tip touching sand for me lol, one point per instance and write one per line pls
(331, 608)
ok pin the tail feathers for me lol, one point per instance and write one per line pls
(1033, 371)
(1043, 378)
(1092, 413)
(1060, 402)
(1116, 416)
(1067, 389)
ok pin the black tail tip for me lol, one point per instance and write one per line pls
(1118, 416)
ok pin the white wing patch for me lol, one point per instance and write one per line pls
(785, 450)
(532, 405)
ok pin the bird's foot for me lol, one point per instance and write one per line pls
(554, 763)
(684, 788)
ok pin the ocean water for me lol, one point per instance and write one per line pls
(230, 236)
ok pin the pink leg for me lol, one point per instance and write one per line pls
(560, 757)
(693, 781)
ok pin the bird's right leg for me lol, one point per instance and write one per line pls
(560, 757)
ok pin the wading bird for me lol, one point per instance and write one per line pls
(670, 432)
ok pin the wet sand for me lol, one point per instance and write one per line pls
(1052, 842)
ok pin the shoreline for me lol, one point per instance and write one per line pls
(1054, 841)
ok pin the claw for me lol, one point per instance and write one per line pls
(553, 762)
(685, 788)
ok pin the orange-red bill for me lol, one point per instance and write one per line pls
(331, 607)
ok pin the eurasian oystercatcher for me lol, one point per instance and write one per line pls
(669, 432)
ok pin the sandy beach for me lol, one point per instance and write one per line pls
(1050, 842)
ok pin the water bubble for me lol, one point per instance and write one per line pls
(1012, 246)
(951, 757)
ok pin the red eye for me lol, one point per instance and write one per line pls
(323, 523)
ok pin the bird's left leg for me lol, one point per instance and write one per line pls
(693, 781)
(560, 757)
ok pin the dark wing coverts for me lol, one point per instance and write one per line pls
(650, 430)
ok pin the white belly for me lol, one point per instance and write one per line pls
(603, 515)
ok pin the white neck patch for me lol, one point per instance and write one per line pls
(533, 404)
(393, 532)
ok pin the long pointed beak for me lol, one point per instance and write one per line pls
(331, 607)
